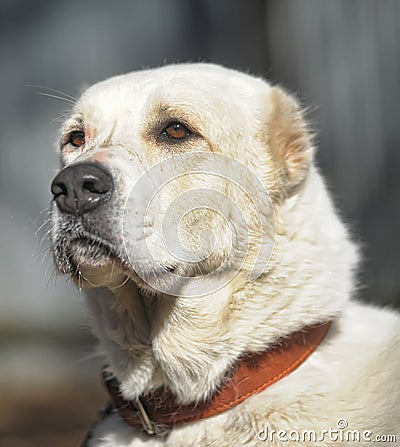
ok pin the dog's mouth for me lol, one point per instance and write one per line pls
(89, 260)
(89, 251)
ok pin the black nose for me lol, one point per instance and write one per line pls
(82, 187)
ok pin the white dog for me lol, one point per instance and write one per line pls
(218, 273)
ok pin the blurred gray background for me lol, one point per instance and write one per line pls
(341, 57)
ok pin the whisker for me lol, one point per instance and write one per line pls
(112, 269)
(45, 210)
(41, 226)
(87, 280)
(121, 285)
(56, 97)
(53, 90)
(59, 117)
(52, 278)
(42, 254)
(89, 357)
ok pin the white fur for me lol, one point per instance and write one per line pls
(189, 343)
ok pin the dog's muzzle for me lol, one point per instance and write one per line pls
(82, 187)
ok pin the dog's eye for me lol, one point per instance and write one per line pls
(77, 138)
(176, 131)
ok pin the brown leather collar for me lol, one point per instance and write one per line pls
(158, 411)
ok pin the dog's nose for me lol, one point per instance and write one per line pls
(82, 187)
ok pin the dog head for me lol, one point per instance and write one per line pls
(195, 181)
(170, 178)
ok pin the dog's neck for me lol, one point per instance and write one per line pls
(189, 344)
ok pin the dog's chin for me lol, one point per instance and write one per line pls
(94, 264)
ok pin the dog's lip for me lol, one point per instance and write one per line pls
(92, 241)
(106, 251)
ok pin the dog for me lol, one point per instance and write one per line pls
(217, 272)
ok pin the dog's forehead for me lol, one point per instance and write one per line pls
(199, 84)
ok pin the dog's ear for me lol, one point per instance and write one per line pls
(289, 140)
